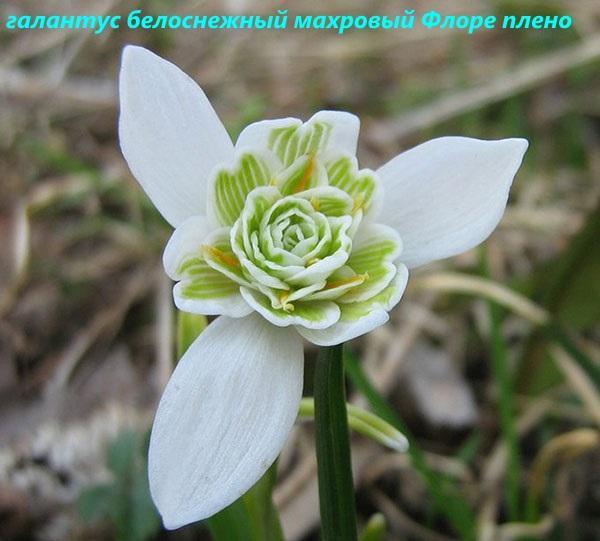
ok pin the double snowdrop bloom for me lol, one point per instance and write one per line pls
(284, 236)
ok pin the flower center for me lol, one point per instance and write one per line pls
(293, 227)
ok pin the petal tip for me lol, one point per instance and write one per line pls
(350, 119)
(520, 145)
(173, 522)
(174, 517)
(131, 51)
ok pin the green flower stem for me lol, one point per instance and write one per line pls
(364, 422)
(334, 468)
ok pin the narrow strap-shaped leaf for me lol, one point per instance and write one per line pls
(503, 378)
(252, 517)
(454, 508)
(189, 326)
(263, 514)
(334, 468)
(559, 336)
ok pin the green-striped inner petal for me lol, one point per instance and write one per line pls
(218, 254)
(303, 174)
(202, 282)
(290, 142)
(374, 260)
(355, 310)
(361, 185)
(369, 256)
(300, 313)
(231, 187)
(329, 201)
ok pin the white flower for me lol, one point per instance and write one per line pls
(284, 236)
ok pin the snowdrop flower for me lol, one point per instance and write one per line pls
(284, 236)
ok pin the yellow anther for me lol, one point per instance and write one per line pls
(359, 203)
(306, 176)
(215, 253)
(287, 306)
(314, 201)
(355, 280)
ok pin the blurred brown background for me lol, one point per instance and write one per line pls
(86, 320)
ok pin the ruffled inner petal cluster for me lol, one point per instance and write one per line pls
(293, 236)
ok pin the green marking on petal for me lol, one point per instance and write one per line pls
(230, 187)
(203, 282)
(338, 283)
(362, 186)
(190, 265)
(218, 254)
(312, 315)
(376, 249)
(305, 173)
(209, 287)
(329, 201)
(291, 142)
(385, 299)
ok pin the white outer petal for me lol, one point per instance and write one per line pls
(185, 240)
(170, 135)
(224, 417)
(447, 195)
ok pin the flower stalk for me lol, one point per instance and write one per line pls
(334, 467)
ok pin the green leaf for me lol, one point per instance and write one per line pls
(121, 454)
(144, 521)
(568, 288)
(231, 524)
(93, 503)
(126, 502)
(252, 517)
(504, 382)
(189, 326)
(455, 509)
(259, 503)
